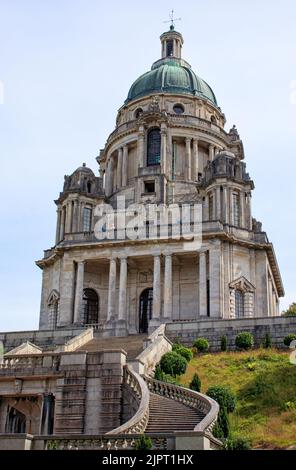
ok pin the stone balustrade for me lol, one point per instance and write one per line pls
(28, 362)
(189, 398)
(138, 388)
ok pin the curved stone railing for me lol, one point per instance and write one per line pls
(137, 424)
(189, 398)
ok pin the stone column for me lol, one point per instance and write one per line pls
(78, 320)
(226, 205)
(163, 153)
(63, 222)
(202, 284)
(168, 288)
(218, 203)
(211, 152)
(111, 176)
(195, 160)
(155, 321)
(249, 219)
(141, 136)
(111, 291)
(69, 217)
(188, 158)
(124, 166)
(121, 329)
(242, 208)
(119, 168)
(58, 230)
(47, 416)
(75, 216)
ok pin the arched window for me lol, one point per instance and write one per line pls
(53, 310)
(138, 112)
(86, 221)
(235, 209)
(153, 147)
(90, 307)
(214, 120)
(239, 304)
(88, 185)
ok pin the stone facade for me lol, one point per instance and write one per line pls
(169, 147)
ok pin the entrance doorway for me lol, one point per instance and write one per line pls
(145, 309)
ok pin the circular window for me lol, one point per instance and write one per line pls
(178, 109)
(138, 112)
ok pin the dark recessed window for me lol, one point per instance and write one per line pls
(149, 187)
(138, 112)
(170, 48)
(178, 109)
(153, 147)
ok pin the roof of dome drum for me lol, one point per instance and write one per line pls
(84, 169)
(171, 76)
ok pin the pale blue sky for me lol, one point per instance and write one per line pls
(66, 67)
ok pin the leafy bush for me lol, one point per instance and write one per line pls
(173, 364)
(251, 366)
(143, 443)
(244, 340)
(223, 396)
(223, 343)
(160, 375)
(267, 341)
(185, 352)
(201, 344)
(195, 383)
(237, 443)
(289, 338)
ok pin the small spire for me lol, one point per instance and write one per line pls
(83, 164)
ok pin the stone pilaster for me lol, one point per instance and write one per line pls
(78, 304)
(155, 321)
(124, 166)
(168, 288)
(141, 137)
(163, 159)
(211, 152)
(218, 203)
(119, 168)
(58, 230)
(111, 291)
(242, 208)
(202, 285)
(215, 281)
(226, 205)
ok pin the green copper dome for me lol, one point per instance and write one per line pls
(171, 75)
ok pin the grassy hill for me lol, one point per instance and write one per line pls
(264, 382)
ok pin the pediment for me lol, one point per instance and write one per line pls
(25, 348)
(243, 284)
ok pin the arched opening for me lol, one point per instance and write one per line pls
(213, 119)
(138, 113)
(153, 147)
(145, 309)
(15, 421)
(90, 307)
(88, 185)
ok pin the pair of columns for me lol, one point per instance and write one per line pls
(167, 292)
(192, 164)
(117, 177)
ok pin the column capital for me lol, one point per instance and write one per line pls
(188, 139)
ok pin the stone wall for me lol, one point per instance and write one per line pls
(187, 332)
(46, 339)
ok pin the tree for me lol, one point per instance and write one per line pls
(195, 383)
(291, 311)
(173, 364)
(244, 340)
(224, 343)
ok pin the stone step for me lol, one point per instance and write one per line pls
(133, 344)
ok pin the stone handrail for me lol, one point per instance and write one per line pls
(78, 341)
(189, 398)
(137, 424)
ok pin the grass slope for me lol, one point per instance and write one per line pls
(264, 382)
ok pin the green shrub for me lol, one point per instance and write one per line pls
(201, 344)
(251, 366)
(289, 338)
(185, 352)
(221, 428)
(223, 396)
(143, 443)
(195, 383)
(173, 364)
(267, 341)
(223, 343)
(244, 340)
(237, 443)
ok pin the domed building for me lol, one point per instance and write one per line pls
(169, 149)
(161, 244)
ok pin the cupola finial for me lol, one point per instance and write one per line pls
(172, 20)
